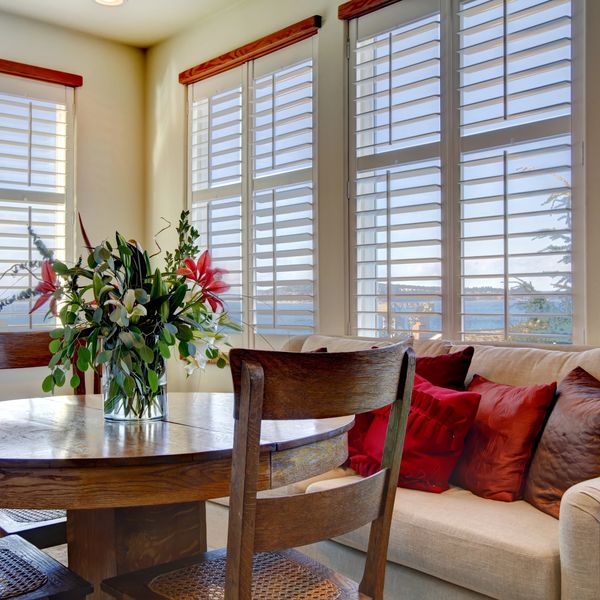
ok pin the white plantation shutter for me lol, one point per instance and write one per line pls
(282, 225)
(35, 186)
(461, 169)
(515, 180)
(397, 172)
(216, 176)
(251, 134)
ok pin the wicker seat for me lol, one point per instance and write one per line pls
(43, 528)
(28, 573)
(257, 563)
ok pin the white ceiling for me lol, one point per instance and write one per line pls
(137, 22)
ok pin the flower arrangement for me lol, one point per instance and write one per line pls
(124, 316)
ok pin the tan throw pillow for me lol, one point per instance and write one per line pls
(569, 450)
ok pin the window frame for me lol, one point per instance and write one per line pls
(60, 82)
(247, 188)
(450, 145)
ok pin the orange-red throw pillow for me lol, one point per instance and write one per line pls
(438, 422)
(501, 442)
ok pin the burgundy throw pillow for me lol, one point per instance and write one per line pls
(446, 370)
(438, 422)
(501, 442)
(569, 450)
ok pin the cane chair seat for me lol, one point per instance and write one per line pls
(28, 573)
(275, 575)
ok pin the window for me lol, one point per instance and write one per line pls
(35, 186)
(461, 167)
(252, 186)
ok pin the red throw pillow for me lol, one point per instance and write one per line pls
(501, 443)
(446, 370)
(438, 422)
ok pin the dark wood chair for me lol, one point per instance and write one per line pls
(258, 561)
(27, 573)
(43, 528)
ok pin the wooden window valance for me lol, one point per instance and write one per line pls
(358, 8)
(265, 45)
(9, 67)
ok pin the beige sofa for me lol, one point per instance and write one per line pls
(456, 545)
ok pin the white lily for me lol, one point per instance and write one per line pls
(130, 309)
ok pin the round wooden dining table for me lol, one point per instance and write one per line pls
(134, 492)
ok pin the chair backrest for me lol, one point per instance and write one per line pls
(26, 349)
(291, 385)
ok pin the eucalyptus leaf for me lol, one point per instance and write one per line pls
(59, 377)
(146, 354)
(57, 333)
(75, 381)
(163, 348)
(153, 380)
(48, 383)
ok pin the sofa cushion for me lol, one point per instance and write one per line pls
(500, 445)
(348, 344)
(569, 451)
(431, 347)
(529, 366)
(502, 550)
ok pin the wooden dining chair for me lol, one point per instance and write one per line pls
(43, 528)
(258, 562)
(29, 574)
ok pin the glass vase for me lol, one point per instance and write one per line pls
(143, 405)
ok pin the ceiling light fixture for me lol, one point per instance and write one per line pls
(109, 2)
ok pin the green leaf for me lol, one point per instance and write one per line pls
(129, 386)
(55, 360)
(171, 328)
(54, 346)
(48, 383)
(103, 357)
(146, 354)
(183, 349)
(141, 295)
(57, 333)
(163, 348)
(153, 380)
(98, 285)
(155, 290)
(75, 381)
(97, 318)
(127, 339)
(212, 353)
(178, 296)
(59, 268)
(83, 358)
(59, 377)
(221, 363)
(185, 333)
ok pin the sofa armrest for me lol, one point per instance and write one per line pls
(579, 527)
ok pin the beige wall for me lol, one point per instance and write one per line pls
(110, 147)
(166, 123)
